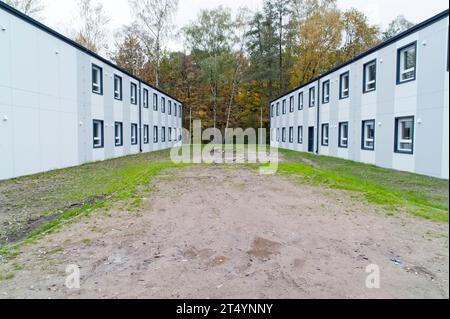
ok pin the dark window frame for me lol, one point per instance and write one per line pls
(341, 82)
(155, 134)
(365, 90)
(134, 127)
(300, 134)
(133, 88)
(399, 52)
(163, 105)
(323, 136)
(311, 102)
(363, 135)
(163, 134)
(283, 135)
(291, 135)
(327, 82)
(100, 69)
(284, 107)
(121, 134)
(155, 102)
(146, 139)
(169, 107)
(117, 77)
(102, 137)
(301, 101)
(145, 98)
(341, 124)
(397, 122)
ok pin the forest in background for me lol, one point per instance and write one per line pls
(232, 63)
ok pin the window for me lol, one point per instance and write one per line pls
(326, 92)
(169, 106)
(175, 109)
(145, 99)
(163, 134)
(300, 135)
(370, 77)
(146, 134)
(181, 110)
(155, 102)
(118, 133)
(406, 63)
(284, 106)
(291, 135)
(97, 79)
(343, 135)
(404, 135)
(283, 136)
(163, 105)
(368, 135)
(300, 101)
(344, 86)
(98, 134)
(325, 134)
(118, 87)
(291, 104)
(272, 109)
(278, 108)
(312, 97)
(278, 134)
(133, 94)
(155, 134)
(134, 134)
(169, 135)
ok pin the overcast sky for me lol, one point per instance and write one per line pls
(60, 13)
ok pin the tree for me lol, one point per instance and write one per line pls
(283, 10)
(154, 17)
(397, 26)
(263, 51)
(240, 39)
(30, 7)
(359, 36)
(93, 22)
(130, 55)
(318, 50)
(209, 39)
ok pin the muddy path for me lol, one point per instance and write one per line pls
(227, 232)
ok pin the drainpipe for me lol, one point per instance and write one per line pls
(140, 118)
(318, 116)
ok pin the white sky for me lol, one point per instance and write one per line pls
(60, 13)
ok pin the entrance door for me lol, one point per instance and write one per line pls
(311, 139)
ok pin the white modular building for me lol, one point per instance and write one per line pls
(388, 106)
(62, 105)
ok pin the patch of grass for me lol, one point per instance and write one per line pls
(421, 196)
(67, 194)
(8, 276)
(86, 241)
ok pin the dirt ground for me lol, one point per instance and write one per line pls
(228, 232)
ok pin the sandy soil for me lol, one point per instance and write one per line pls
(227, 232)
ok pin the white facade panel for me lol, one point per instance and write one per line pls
(47, 103)
(424, 98)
